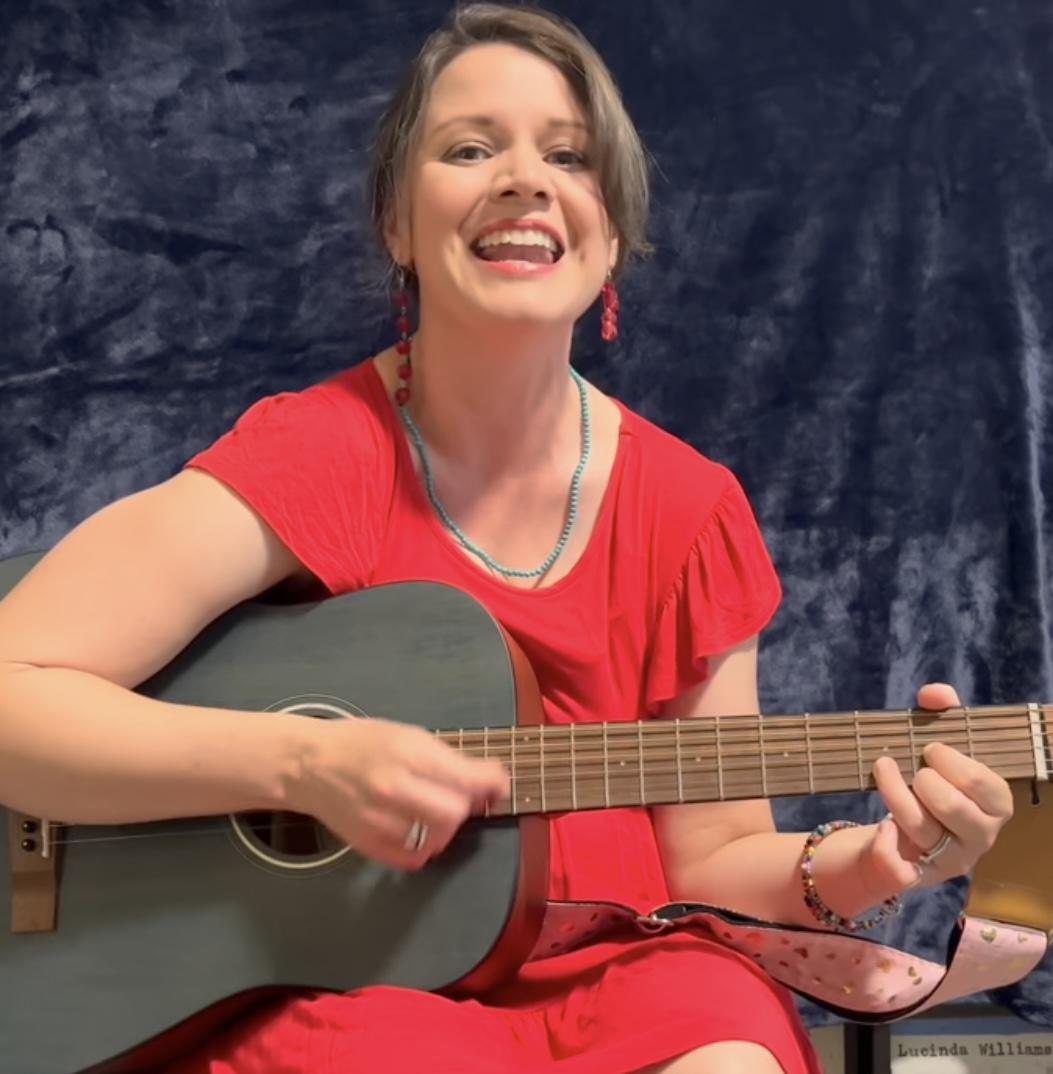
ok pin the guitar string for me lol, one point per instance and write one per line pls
(585, 763)
(668, 792)
(591, 780)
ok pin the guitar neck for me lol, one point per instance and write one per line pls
(563, 768)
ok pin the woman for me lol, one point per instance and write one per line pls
(509, 189)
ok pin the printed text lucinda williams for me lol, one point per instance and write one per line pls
(990, 1049)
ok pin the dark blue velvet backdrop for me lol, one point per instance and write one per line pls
(850, 301)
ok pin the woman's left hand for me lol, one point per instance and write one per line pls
(953, 796)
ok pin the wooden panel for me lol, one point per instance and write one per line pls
(1013, 882)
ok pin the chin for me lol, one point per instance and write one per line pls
(528, 315)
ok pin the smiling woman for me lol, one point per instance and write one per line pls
(589, 114)
(510, 189)
(440, 217)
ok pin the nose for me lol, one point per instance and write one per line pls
(526, 177)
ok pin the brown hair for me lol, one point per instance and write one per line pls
(618, 154)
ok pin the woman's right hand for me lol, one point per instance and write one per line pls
(369, 781)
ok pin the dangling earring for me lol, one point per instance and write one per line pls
(402, 326)
(609, 321)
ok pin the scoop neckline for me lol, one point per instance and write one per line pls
(443, 536)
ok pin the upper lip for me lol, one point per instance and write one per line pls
(522, 224)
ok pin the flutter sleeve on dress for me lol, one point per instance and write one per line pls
(726, 591)
(312, 465)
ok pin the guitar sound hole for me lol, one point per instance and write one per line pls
(288, 837)
(294, 841)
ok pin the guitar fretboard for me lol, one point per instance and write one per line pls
(561, 768)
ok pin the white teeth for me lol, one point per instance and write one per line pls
(519, 238)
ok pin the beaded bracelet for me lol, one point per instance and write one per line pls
(819, 909)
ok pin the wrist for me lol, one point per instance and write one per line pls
(842, 872)
(296, 747)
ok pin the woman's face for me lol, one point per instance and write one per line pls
(505, 218)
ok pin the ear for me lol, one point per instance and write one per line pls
(397, 236)
(612, 253)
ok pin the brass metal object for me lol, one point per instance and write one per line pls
(1013, 882)
(34, 882)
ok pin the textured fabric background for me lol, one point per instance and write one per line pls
(850, 302)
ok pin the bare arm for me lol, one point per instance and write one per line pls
(113, 603)
(728, 853)
(110, 605)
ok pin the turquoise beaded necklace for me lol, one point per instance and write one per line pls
(462, 537)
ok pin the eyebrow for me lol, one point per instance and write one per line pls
(489, 121)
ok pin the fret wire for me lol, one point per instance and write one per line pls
(720, 762)
(573, 772)
(1038, 741)
(515, 792)
(679, 763)
(541, 764)
(968, 730)
(859, 750)
(639, 743)
(460, 744)
(763, 759)
(913, 746)
(606, 770)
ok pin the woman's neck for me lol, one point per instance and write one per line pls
(492, 397)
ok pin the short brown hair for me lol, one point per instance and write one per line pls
(619, 156)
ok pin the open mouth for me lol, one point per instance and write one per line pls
(521, 244)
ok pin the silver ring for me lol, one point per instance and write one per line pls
(919, 869)
(942, 844)
(416, 837)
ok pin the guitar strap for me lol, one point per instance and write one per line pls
(999, 938)
(853, 976)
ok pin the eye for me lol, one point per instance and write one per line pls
(568, 158)
(465, 152)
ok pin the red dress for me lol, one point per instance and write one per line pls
(675, 570)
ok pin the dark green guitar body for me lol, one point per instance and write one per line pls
(175, 924)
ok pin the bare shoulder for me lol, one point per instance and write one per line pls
(125, 590)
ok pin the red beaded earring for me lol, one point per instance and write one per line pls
(611, 305)
(402, 326)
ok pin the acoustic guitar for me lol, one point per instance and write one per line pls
(122, 942)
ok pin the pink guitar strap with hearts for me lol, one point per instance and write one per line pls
(854, 976)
